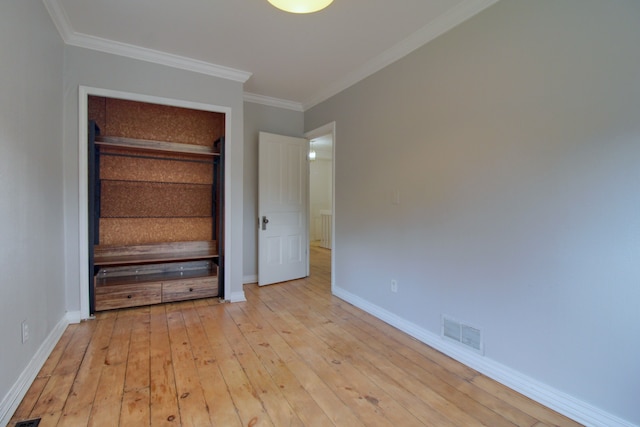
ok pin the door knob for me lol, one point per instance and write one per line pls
(265, 221)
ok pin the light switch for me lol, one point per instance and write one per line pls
(395, 197)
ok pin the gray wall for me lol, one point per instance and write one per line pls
(31, 191)
(106, 71)
(257, 118)
(514, 141)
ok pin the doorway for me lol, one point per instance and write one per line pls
(320, 190)
(321, 200)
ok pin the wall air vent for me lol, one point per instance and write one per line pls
(461, 333)
(28, 423)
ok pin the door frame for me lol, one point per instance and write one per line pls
(328, 129)
(83, 183)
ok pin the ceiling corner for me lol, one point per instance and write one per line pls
(59, 18)
(70, 37)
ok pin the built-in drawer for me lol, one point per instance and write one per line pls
(184, 289)
(119, 296)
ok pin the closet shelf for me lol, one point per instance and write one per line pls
(154, 146)
(103, 279)
(154, 252)
(161, 183)
(156, 217)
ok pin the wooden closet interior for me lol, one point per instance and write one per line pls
(155, 203)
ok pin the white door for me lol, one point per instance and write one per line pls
(283, 233)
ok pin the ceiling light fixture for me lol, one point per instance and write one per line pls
(301, 6)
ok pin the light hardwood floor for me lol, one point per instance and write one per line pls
(292, 355)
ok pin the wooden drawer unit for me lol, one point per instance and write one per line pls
(110, 297)
(121, 285)
(178, 290)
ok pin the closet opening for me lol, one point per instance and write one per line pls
(155, 201)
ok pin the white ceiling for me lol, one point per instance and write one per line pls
(296, 60)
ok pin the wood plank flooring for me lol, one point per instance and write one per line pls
(292, 355)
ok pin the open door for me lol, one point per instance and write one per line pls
(283, 233)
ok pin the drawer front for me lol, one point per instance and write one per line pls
(178, 290)
(110, 297)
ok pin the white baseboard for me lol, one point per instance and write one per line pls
(236, 297)
(557, 400)
(565, 404)
(250, 279)
(17, 392)
(74, 317)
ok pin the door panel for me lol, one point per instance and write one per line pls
(282, 206)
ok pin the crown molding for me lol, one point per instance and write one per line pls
(59, 18)
(158, 57)
(463, 11)
(70, 37)
(272, 102)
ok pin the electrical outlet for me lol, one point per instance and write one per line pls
(394, 285)
(25, 331)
